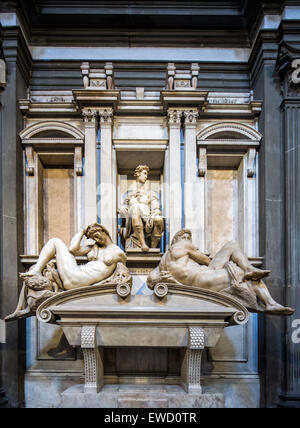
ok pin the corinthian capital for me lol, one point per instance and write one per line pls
(174, 116)
(89, 115)
(106, 116)
(190, 117)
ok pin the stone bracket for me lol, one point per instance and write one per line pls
(251, 162)
(202, 168)
(78, 165)
(93, 360)
(30, 160)
(191, 366)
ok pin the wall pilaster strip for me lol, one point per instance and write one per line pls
(175, 193)
(90, 166)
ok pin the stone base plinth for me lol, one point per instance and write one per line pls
(139, 396)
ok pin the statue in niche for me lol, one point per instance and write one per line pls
(144, 222)
(106, 264)
(229, 271)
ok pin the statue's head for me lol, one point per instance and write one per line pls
(182, 235)
(98, 233)
(141, 173)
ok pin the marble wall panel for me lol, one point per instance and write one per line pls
(58, 203)
(222, 208)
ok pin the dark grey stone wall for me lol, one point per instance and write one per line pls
(18, 65)
(291, 125)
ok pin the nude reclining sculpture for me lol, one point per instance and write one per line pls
(106, 264)
(229, 271)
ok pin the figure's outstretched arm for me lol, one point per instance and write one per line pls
(75, 248)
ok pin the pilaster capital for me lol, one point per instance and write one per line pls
(89, 116)
(106, 116)
(190, 117)
(174, 117)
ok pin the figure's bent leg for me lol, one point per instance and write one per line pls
(158, 227)
(65, 261)
(232, 251)
(21, 306)
(138, 227)
(271, 305)
(47, 253)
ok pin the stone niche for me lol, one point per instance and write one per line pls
(141, 141)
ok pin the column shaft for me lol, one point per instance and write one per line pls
(190, 174)
(108, 192)
(175, 191)
(291, 394)
(90, 167)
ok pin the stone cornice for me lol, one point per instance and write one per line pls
(16, 50)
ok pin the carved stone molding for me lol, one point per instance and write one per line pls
(89, 116)
(196, 338)
(251, 162)
(106, 116)
(174, 117)
(191, 367)
(202, 168)
(93, 366)
(29, 152)
(245, 131)
(2, 73)
(288, 68)
(190, 117)
(78, 165)
(101, 78)
(186, 80)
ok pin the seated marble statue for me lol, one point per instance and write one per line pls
(228, 271)
(144, 222)
(106, 263)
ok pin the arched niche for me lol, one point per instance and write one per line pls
(227, 165)
(53, 160)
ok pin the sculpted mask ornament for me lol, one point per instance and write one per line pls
(229, 271)
(106, 264)
(144, 222)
